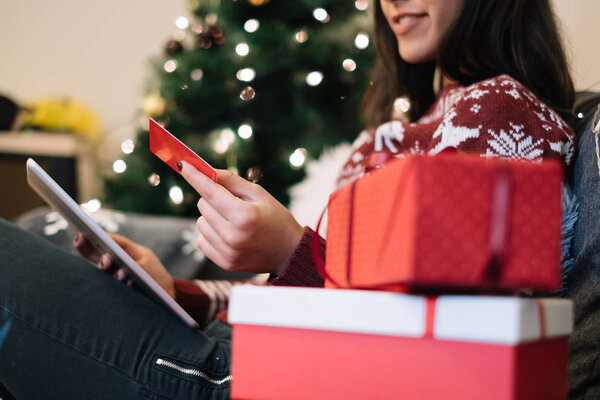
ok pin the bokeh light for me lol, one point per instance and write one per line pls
(242, 49)
(361, 41)
(314, 78)
(245, 131)
(247, 93)
(127, 146)
(361, 5)
(170, 66)
(321, 15)
(119, 166)
(154, 179)
(182, 22)
(349, 64)
(176, 194)
(196, 74)
(301, 36)
(251, 25)
(298, 157)
(246, 74)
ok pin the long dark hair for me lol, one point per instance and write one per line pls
(489, 38)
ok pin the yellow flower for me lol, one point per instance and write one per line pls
(63, 115)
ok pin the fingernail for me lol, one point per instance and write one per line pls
(105, 261)
(77, 238)
(179, 166)
(121, 274)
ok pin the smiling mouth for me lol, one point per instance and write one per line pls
(407, 18)
(405, 22)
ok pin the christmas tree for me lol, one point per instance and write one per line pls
(255, 86)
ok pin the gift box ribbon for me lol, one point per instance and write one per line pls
(430, 310)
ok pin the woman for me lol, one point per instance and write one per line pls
(495, 58)
(74, 331)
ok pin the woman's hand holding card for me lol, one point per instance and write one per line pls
(242, 227)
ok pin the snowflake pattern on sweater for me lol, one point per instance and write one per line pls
(498, 117)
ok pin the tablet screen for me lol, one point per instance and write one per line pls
(59, 200)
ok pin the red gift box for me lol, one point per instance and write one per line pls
(453, 221)
(300, 343)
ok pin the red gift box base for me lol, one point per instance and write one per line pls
(284, 363)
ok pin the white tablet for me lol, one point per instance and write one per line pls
(59, 200)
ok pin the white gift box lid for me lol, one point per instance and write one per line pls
(488, 319)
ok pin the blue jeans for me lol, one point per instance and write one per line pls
(70, 331)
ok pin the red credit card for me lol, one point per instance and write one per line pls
(170, 149)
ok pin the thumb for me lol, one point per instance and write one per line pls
(130, 247)
(237, 185)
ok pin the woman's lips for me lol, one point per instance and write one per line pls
(404, 23)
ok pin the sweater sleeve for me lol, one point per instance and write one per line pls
(204, 299)
(301, 269)
(193, 300)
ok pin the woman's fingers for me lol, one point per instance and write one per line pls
(148, 261)
(218, 196)
(214, 218)
(120, 275)
(237, 185)
(132, 248)
(105, 263)
(213, 238)
(210, 252)
(86, 249)
(142, 255)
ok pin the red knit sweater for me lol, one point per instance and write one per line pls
(497, 117)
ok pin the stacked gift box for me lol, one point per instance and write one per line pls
(429, 252)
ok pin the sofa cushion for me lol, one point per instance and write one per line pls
(172, 239)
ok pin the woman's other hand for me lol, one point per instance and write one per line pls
(242, 227)
(143, 256)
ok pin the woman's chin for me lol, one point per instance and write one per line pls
(415, 54)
